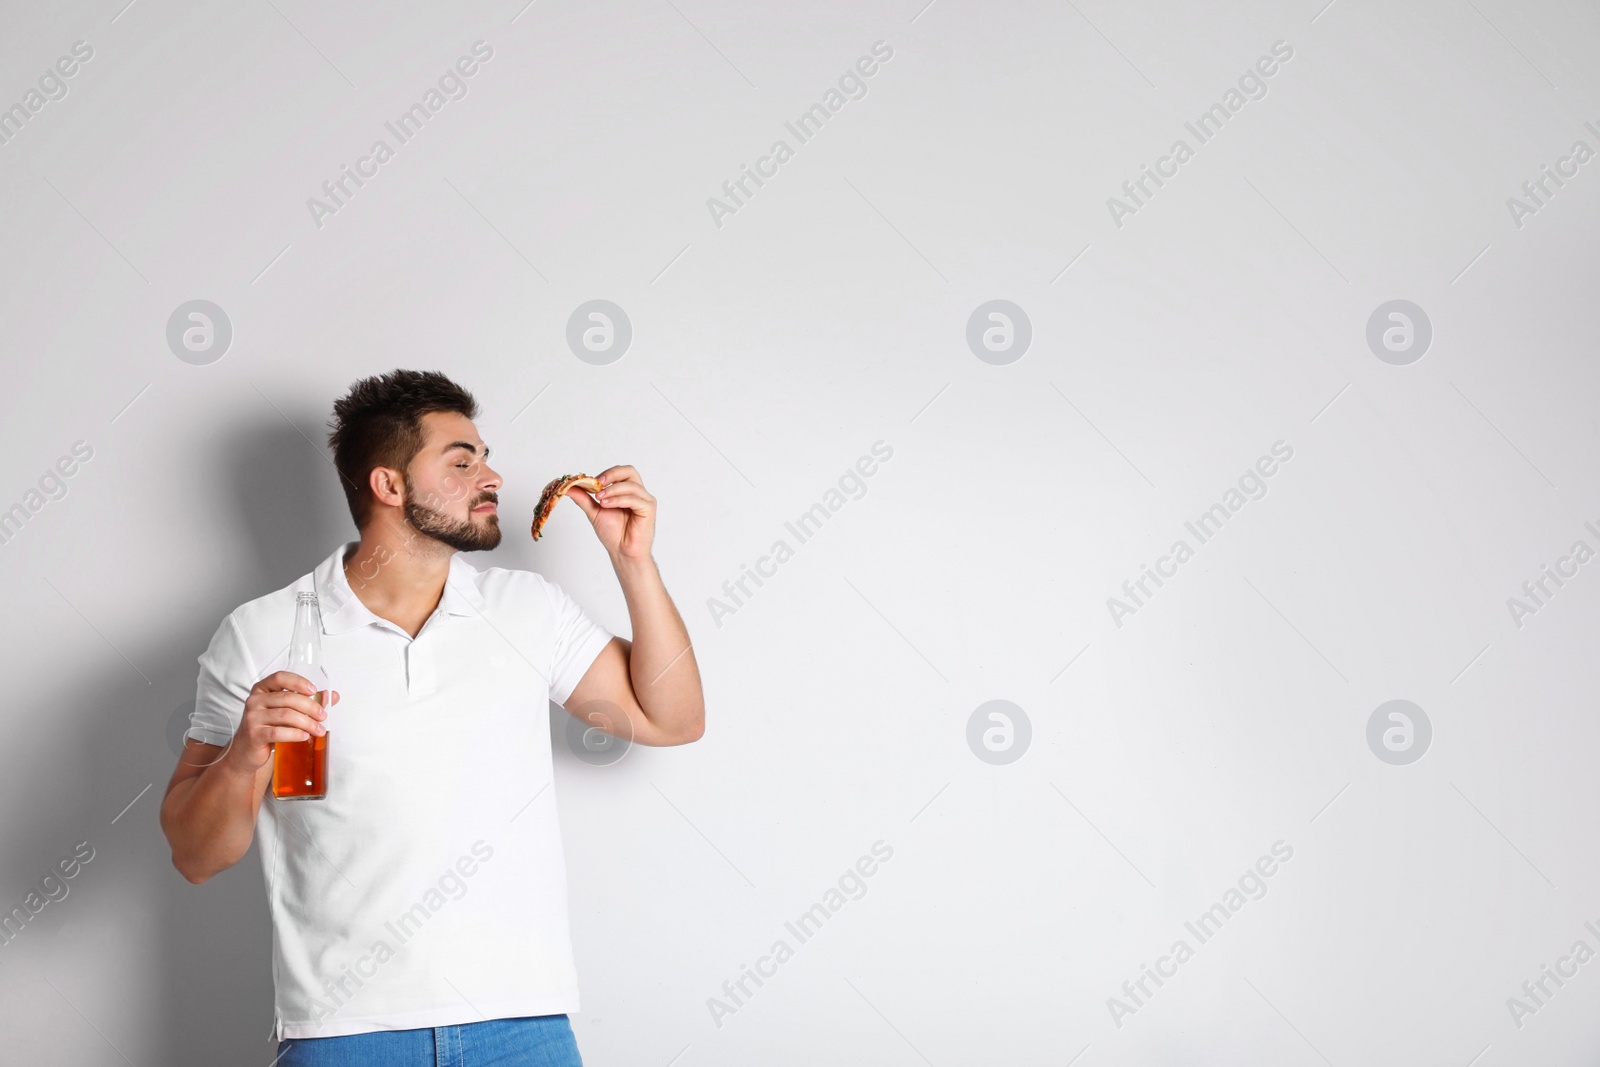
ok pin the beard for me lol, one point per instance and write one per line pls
(467, 535)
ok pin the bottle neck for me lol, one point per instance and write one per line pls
(305, 645)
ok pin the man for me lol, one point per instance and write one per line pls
(419, 910)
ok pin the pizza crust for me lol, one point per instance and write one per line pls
(554, 492)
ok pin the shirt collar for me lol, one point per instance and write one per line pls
(343, 611)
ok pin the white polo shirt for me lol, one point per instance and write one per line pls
(428, 888)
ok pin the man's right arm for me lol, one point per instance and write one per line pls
(209, 811)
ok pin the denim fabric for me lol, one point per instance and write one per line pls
(535, 1041)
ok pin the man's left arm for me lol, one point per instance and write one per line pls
(652, 680)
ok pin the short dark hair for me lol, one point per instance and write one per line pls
(379, 424)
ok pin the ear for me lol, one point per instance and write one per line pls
(387, 486)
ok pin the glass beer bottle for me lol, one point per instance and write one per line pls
(300, 768)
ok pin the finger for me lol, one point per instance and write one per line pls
(287, 698)
(292, 715)
(611, 491)
(620, 473)
(639, 502)
(284, 735)
(296, 702)
(279, 680)
(632, 491)
(627, 486)
(298, 720)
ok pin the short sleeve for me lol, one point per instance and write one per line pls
(226, 677)
(579, 640)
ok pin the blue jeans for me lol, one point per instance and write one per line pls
(534, 1041)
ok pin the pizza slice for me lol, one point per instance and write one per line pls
(554, 492)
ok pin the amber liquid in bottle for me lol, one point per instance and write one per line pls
(300, 768)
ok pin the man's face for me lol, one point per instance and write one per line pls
(451, 491)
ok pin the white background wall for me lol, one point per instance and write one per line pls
(1169, 352)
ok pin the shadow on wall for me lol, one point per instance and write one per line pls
(216, 939)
